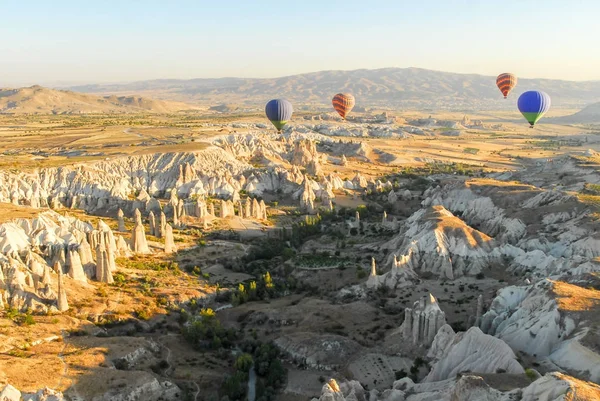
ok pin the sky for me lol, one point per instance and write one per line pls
(75, 42)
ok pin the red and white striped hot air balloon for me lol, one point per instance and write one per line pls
(506, 82)
(343, 104)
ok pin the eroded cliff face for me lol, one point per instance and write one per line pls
(551, 320)
(38, 255)
(536, 231)
(468, 387)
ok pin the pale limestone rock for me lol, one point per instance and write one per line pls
(240, 209)
(425, 318)
(169, 241)
(255, 209)
(63, 304)
(123, 249)
(263, 210)
(471, 351)
(479, 311)
(9, 393)
(152, 223)
(103, 273)
(121, 220)
(392, 197)
(175, 217)
(304, 152)
(223, 212)
(314, 168)
(162, 225)
(139, 244)
(75, 267)
(373, 280)
(248, 208)
(307, 197)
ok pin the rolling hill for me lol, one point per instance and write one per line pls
(588, 115)
(397, 87)
(40, 100)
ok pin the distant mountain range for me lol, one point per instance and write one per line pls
(40, 100)
(393, 87)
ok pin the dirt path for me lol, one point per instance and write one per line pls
(170, 368)
(61, 356)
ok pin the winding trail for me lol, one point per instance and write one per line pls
(170, 367)
(61, 356)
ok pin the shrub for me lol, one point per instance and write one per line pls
(400, 374)
(531, 374)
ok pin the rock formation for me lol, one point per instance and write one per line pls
(422, 321)
(305, 151)
(169, 241)
(343, 161)
(162, 225)
(75, 267)
(139, 243)
(152, 224)
(436, 241)
(121, 221)
(62, 304)
(470, 351)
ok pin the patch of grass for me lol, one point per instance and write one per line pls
(318, 260)
(141, 263)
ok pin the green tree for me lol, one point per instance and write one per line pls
(243, 363)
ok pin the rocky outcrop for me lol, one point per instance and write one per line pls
(307, 197)
(152, 224)
(305, 152)
(547, 320)
(139, 244)
(401, 274)
(30, 247)
(470, 351)
(169, 241)
(467, 387)
(343, 161)
(434, 240)
(422, 321)
(62, 303)
(75, 266)
(121, 221)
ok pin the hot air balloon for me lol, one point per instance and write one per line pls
(343, 104)
(506, 82)
(533, 105)
(279, 112)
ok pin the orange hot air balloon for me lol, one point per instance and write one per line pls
(506, 82)
(343, 104)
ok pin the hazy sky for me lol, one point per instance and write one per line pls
(49, 42)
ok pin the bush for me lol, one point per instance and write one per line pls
(205, 331)
(531, 374)
(400, 374)
(243, 363)
(480, 276)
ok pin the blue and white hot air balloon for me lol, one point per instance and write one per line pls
(533, 105)
(279, 112)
